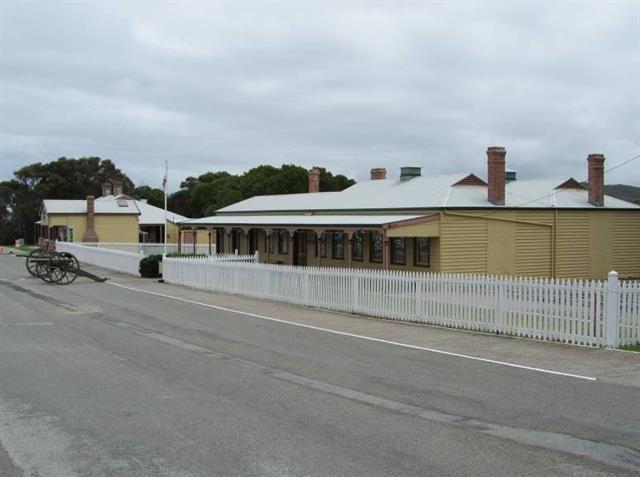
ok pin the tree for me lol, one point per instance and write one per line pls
(67, 178)
(205, 194)
(154, 196)
(180, 203)
(21, 197)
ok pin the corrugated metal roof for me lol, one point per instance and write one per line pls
(61, 206)
(150, 214)
(298, 220)
(426, 193)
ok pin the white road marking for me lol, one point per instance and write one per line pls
(34, 323)
(363, 337)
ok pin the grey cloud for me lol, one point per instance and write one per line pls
(349, 87)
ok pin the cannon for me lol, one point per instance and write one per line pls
(61, 268)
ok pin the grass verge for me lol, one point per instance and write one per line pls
(635, 347)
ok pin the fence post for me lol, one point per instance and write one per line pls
(256, 257)
(612, 311)
(500, 321)
(418, 293)
(354, 293)
(306, 286)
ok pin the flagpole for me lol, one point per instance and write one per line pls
(164, 184)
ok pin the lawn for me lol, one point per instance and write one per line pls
(635, 347)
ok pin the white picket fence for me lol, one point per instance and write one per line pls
(592, 313)
(220, 257)
(150, 248)
(129, 262)
(117, 260)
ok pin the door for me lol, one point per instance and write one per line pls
(253, 241)
(300, 249)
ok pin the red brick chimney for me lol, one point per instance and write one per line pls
(314, 180)
(496, 173)
(117, 187)
(378, 173)
(107, 189)
(90, 234)
(596, 179)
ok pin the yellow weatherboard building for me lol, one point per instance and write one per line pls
(455, 223)
(112, 218)
(89, 220)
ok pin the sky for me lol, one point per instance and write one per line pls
(213, 86)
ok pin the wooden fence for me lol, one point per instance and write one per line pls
(150, 248)
(592, 313)
(117, 260)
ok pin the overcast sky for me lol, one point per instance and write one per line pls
(215, 86)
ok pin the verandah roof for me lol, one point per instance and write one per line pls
(301, 221)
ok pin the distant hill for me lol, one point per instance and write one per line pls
(622, 191)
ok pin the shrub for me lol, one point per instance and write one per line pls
(150, 266)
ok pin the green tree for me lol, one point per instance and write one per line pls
(180, 203)
(154, 196)
(214, 190)
(65, 178)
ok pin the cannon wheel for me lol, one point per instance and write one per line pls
(48, 270)
(67, 266)
(33, 264)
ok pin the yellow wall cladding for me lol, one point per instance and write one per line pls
(533, 243)
(573, 244)
(626, 244)
(172, 233)
(117, 228)
(588, 243)
(463, 244)
(76, 222)
(429, 229)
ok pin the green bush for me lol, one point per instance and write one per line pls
(150, 266)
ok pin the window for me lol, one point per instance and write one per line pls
(235, 241)
(219, 241)
(269, 239)
(421, 252)
(357, 246)
(322, 245)
(375, 247)
(337, 245)
(283, 242)
(253, 241)
(397, 250)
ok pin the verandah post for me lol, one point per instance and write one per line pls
(612, 310)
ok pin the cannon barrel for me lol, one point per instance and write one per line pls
(61, 268)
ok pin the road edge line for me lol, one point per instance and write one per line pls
(363, 337)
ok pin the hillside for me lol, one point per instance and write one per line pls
(622, 191)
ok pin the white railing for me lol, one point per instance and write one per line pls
(629, 306)
(592, 313)
(150, 248)
(112, 259)
(220, 257)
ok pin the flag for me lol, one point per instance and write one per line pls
(164, 187)
(165, 178)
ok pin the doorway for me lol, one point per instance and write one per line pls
(300, 249)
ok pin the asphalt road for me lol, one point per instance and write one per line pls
(98, 380)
